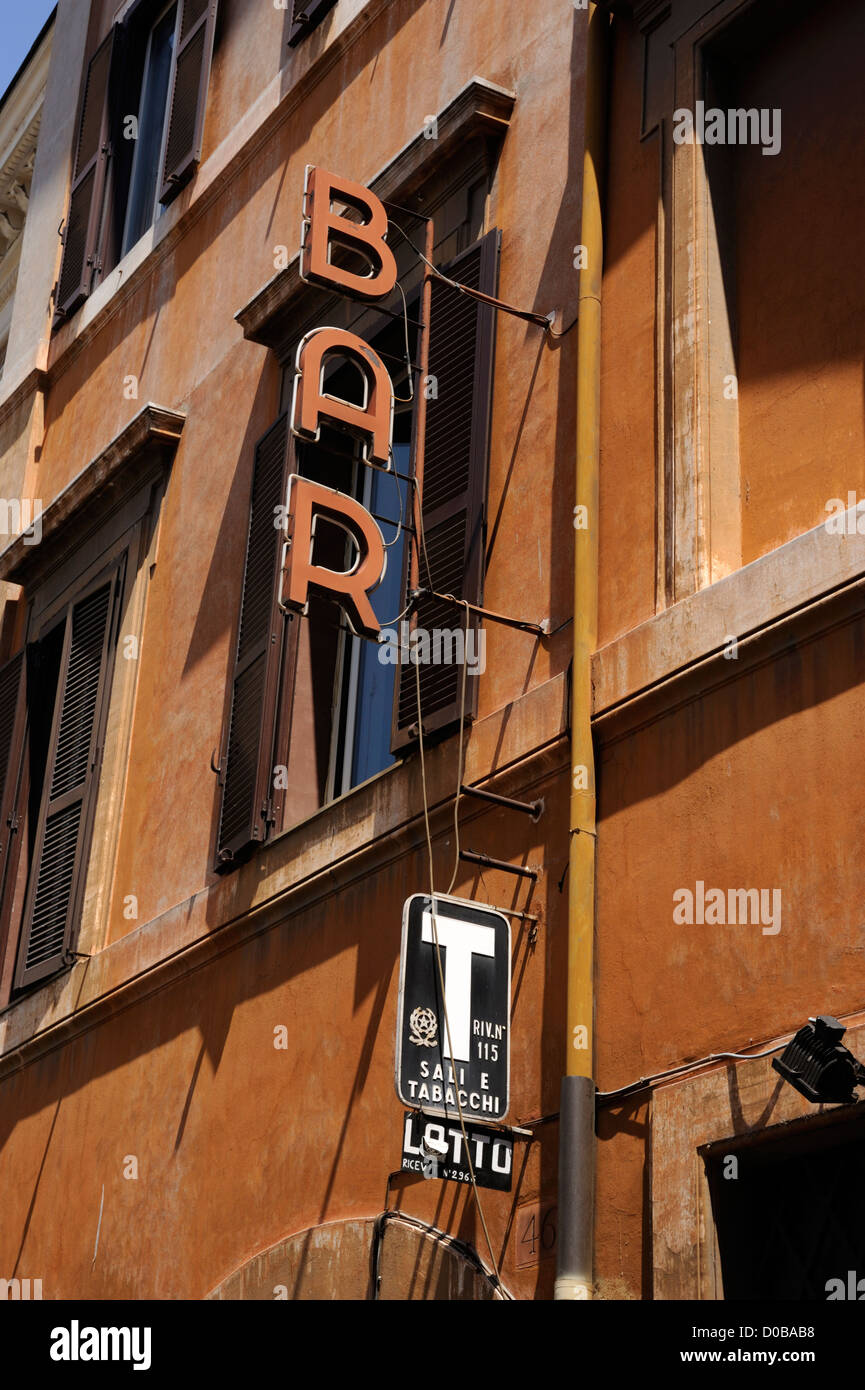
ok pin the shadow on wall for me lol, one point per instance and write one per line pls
(670, 749)
(341, 1261)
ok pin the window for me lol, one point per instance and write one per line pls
(314, 709)
(361, 735)
(786, 314)
(760, 350)
(54, 702)
(306, 14)
(84, 585)
(139, 135)
(144, 184)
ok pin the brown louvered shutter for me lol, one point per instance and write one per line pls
(247, 807)
(13, 725)
(59, 866)
(83, 222)
(305, 16)
(456, 444)
(189, 79)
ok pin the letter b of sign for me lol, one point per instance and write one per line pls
(367, 237)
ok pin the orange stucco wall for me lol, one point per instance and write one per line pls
(744, 780)
(240, 1144)
(748, 781)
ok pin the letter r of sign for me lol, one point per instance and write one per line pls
(306, 501)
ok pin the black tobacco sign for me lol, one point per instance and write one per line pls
(453, 1043)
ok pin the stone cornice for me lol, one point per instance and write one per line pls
(792, 594)
(35, 380)
(24, 101)
(114, 470)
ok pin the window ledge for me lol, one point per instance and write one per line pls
(481, 109)
(808, 584)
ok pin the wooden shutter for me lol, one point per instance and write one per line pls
(305, 16)
(13, 726)
(248, 808)
(58, 870)
(189, 79)
(456, 444)
(83, 222)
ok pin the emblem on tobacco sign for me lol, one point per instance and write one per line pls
(424, 1028)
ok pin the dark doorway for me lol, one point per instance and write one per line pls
(793, 1216)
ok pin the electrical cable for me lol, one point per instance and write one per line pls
(406, 400)
(399, 617)
(388, 545)
(467, 1252)
(647, 1081)
(565, 331)
(542, 320)
(460, 761)
(421, 531)
(500, 1286)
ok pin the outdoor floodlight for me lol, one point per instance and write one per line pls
(818, 1065)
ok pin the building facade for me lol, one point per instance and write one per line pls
(729, 667)
(220, 788)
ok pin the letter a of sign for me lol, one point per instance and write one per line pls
(306, 502)
(322, 227)
(372, 421)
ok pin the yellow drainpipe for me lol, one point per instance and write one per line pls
(577, 1110)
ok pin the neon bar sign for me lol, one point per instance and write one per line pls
(371, 422)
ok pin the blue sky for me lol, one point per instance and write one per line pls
(20, 22)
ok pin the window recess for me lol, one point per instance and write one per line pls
(52, 733)
(314, 709)
(88, 575)
(790, 1226)
(139, 136)
(69, 670)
